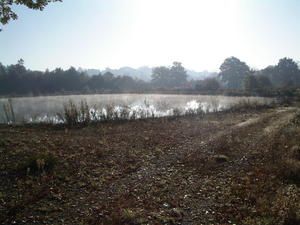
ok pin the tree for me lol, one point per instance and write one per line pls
(264, 82)
(233, 72)
(160, 76)
(251, 83)
(166, 77)
(6, 12)
(178, 74)
(287, 72)
(208, 84)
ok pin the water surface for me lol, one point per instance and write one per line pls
(45, 108)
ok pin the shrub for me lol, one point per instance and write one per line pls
(9, 112)
(290, 170)
(71, 113)
(84, 112)
(124, 112)
(109, 112)
(39, 163)
(296, 119)
(247, 105)
(177, 112)
(123, 216)
(292, 218)
(74, 114)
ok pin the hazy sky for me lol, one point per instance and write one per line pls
(115, 33)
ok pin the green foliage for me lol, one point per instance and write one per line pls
(233, 72)
(235, 76)
(175, 76)
(208, 84)
(285, 74)
(17, 80)
(7, 14)
(251, 83)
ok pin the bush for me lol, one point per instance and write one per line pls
(296, 119)
(39, 163)
(74, 114)
(71, 113)
(247, 105)
(290, 170)
(9, 112)
(177, 112)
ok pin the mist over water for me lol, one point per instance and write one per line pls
(46, 108)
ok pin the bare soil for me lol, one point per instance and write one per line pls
(223, 168)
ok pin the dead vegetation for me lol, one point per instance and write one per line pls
(181, 170)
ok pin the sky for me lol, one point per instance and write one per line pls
(115, 33)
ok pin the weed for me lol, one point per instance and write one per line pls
(177, 112)
(39, 163)
(9, 111)
(290, 170)
(71, 113)
(74, 114)
(296, 119)
(84, 112)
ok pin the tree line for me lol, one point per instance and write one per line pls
(17, 80)
(234, 74)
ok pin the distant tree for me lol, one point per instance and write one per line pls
(160, 76)
(287, 72)
(178, 74)
(2, 70)
(208, 84)
(251, 83)
(6, 12)
(264, 82)
(166, 77)
(233, 72)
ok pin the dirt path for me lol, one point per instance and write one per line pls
(182, 171)
(194, 190)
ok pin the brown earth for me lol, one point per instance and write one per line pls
(224, 168)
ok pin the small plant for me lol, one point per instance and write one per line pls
(9, 111)
(109, 112)
(84, 112)
(74, 114)
(296, 119)
(94, 114)
(177, 112)
(124, 112)
(292, 218)
(133, 115)
(200, 111)
(124, 216)
(290, 170)
(39, 164)
(71, 113)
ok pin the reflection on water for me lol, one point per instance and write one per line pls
(43, 109)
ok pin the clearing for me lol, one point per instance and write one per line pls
(224, 168)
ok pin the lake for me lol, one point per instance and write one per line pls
(46, 108)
